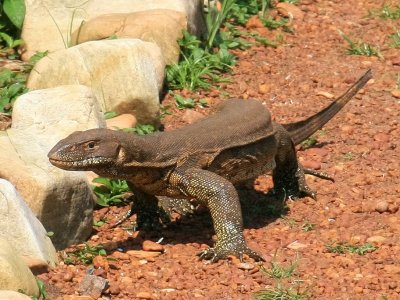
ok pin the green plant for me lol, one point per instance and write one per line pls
(389, 12)
(12, 85)
(280, 293)
(111, 191)
(307, 226)
(198, 68)
(308, 143)
(12, 14)
(348, 156)
(214, 19)
(183, 103)
(279, 271)
(395, 39)
(100, 222)
(164, 111)
(33, 60)
(349, 248)
(141, 129)
(360, 48)
(84, 254)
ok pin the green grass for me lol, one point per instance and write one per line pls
(343, 248)
(395, 39)
(308, 143)
(360, 48)
(84, 254)
(278, 271)
(390, 12)
(307, 226)
(183, 103)
(141, 129)
(280, 293)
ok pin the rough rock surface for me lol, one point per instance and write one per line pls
(125, 75)
(160, 26)
(21, 228)
(48, 24)
(14, 274)
(12, 295)
(61, 200)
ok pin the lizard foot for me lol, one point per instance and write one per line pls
(217, 253)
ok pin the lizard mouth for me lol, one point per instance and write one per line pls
(88, 163)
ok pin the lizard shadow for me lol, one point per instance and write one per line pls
(258, 210)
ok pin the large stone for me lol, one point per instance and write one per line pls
(21, 228)
(14, 274)
(125, 75)
(61, 200)
(12, 295)
(48, 24)
(160, 26)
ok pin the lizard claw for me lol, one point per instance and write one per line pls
(215, 254)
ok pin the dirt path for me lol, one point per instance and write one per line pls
(360, 147)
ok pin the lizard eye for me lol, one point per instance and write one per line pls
(91, 145)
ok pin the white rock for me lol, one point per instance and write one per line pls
(21, 228)
(12, 295)
(125, 75)
(48, 24)
(14, 274)
(61, 200)
(160, 26)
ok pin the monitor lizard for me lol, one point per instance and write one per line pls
(204, 160)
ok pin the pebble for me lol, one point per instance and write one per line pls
(296, 245)
(191, 116)
(376, 240)
(120, 255)
(264, 88)
(311, 164)
(100, 262)
(325, 94)
(144, 295)
(152, 246)
(396, 93)
(317, 152)
(121, 121)
(290, 10)
(143, 254)
(382, 206)
(245, 266)
(254, 22)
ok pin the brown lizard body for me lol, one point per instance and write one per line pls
(204, 161)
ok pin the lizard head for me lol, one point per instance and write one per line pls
(86, 150)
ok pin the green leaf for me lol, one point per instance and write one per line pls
(110, 114)
(15, 11)
(104, 181)
(8, 39)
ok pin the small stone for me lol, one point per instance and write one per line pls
(120, 255)
(347, 129)
(396, 61)
(296, 245)
(152, 246)
(254, 22)
(393, 208)
(396, 93)
(376, 240)
(121, 121)
(115, 289)
(68, 276)
(382, 206)
(245, 266)
(100, 262)
(381, 137)
(140, 254)
(192, 116)
(311, 164)
(93, 286)
(392, 269)
(325, 94)
(264, 88)
(144, 295)
(289, 10)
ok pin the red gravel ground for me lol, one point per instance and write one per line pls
(359, 147)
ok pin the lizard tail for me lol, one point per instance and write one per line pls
(301, 130)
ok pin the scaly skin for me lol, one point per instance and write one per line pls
(203, 160)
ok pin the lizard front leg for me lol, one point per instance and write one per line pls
(220, 196)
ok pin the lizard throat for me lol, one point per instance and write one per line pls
(84, 164)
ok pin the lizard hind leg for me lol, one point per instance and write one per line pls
(220, 196)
